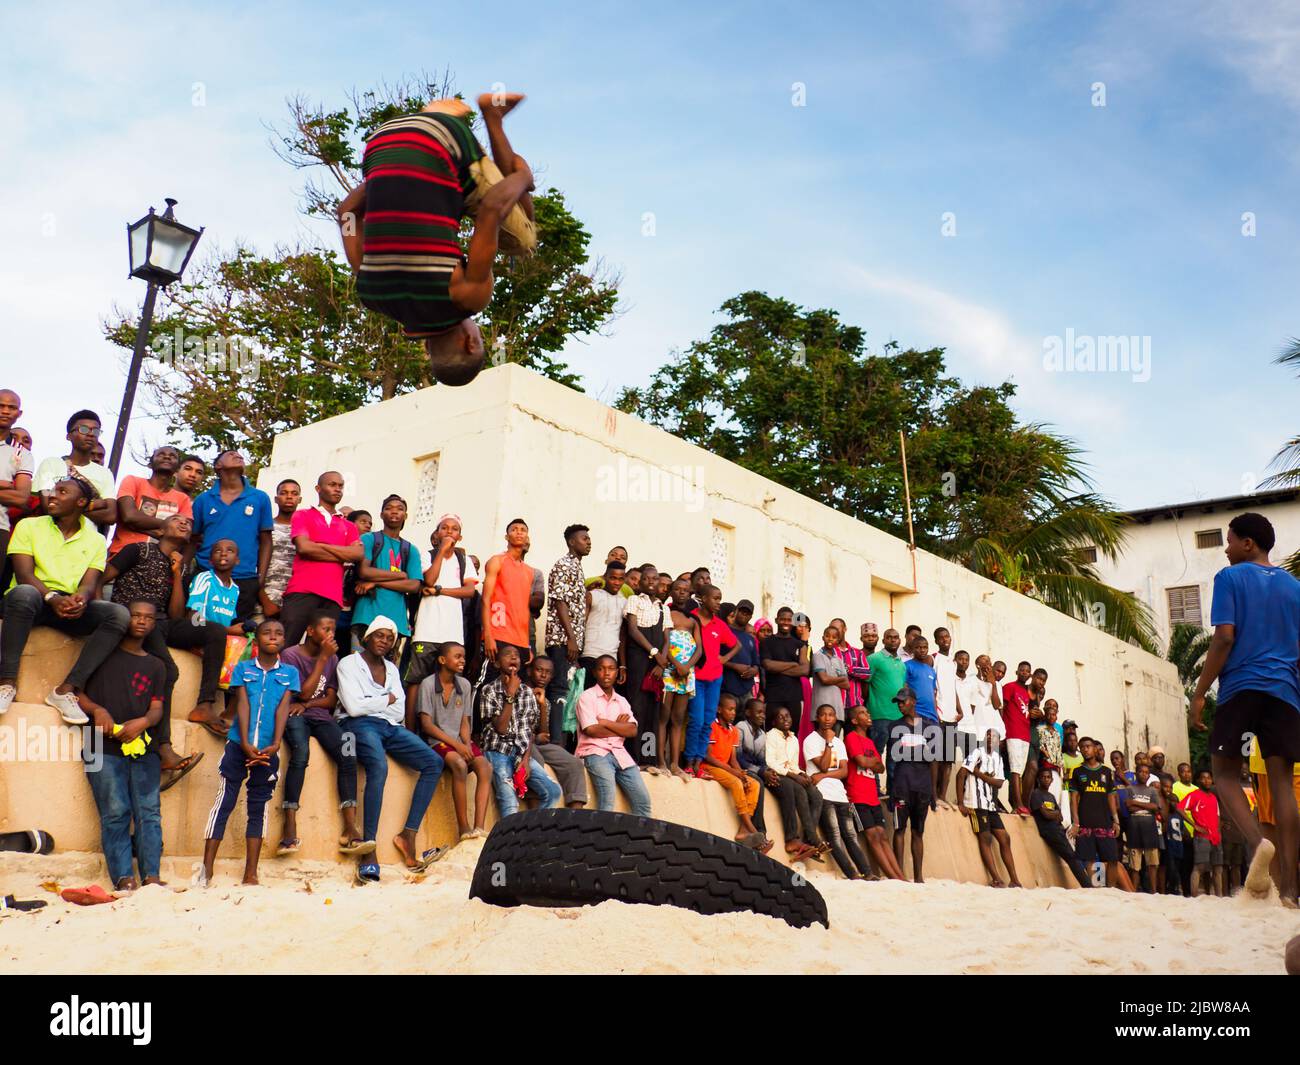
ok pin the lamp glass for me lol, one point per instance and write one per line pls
(170, 247)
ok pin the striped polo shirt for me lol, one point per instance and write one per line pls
(417, 175)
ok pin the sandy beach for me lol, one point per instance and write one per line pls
(307, 917)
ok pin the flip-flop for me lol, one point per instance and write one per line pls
(368, 873)
(356, 846)
(214, 728)
(180, 769)
(8, 902)
(28, 841)
(92, 895)
(288, 847)
(426, 859)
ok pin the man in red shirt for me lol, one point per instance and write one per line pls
(715, 634)
(323, 541)
(1015, 716)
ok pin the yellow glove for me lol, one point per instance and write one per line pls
(137, 747)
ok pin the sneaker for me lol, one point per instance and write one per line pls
(200, 878)
(8, 693)
(66, 704)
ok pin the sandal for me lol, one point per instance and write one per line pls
(216, 728)
(180, 769)
(356, 845)
(368, 873)
(288, 847)
(426, 859)
(87, 896)
(8, 902)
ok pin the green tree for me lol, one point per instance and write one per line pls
(1187, 647)
(792, 395)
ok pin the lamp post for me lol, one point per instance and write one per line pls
(160, 247)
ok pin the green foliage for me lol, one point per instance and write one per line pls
(1187, 647)
(792, 395)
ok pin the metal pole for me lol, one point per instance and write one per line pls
(132, 378)
(907, 495)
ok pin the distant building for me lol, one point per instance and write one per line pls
(1174, 551)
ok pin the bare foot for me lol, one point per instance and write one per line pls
(404, 849)
(498, 104)
(1258, 882)
(251, 881)
(1017, 883)
(681, 773)
(995, 883)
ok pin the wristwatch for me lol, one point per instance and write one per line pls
(437, 589)
(654, 652)
(51, 595)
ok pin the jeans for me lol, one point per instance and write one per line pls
(103, 624)
(210, 638)
(503, 785)
(841, 831)
(801, 809)
(298, 731)
(376, 739)
(558, 688)
(126, 791)
(700, 715)
(605, 771)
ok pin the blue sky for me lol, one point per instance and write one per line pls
(1122, 220)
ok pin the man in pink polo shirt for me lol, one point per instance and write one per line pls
(605, 721)
(323, 541)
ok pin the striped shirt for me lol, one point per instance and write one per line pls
(417, 175)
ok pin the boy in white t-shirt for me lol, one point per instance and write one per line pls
(827, 762)
(449, 580)
(978, 781)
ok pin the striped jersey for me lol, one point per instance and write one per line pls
(417, 174)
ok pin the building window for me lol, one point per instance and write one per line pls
(720, 554)
(426, 491)
(1210, 538)
(792, 580)
(1185, 605)
(1087, 554)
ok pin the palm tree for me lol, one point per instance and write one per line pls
(1287, 460)
(1048, 559)
(1187, 647)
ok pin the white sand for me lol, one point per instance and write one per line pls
(430, 925)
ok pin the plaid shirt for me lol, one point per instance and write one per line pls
(566, 585)
(516, 740)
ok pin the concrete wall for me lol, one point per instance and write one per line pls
(43, 785)
(515, 444)
(1161, 552)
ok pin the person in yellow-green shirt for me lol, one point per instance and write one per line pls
(58, 562)
(1183, 787)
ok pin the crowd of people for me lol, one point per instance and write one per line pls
(324, 622)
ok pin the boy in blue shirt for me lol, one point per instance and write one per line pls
(208, 617)
(923, 679)
(1253, 656)
(262, 687)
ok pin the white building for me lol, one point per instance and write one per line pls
(513, 443)
(1174, 551)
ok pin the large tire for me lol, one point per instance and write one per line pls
(579, 857)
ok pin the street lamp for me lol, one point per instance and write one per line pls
(159, 247)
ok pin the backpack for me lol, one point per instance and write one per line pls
(404, 557)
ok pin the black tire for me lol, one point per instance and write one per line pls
(581, 857)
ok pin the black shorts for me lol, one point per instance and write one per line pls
(911, 808)
(1143, 833)
(1096, 849)
(1273, 721)
(870, 816)
(982, 821)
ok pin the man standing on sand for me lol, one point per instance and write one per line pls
(400, 226)
(507, 588)
(1256, 619)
